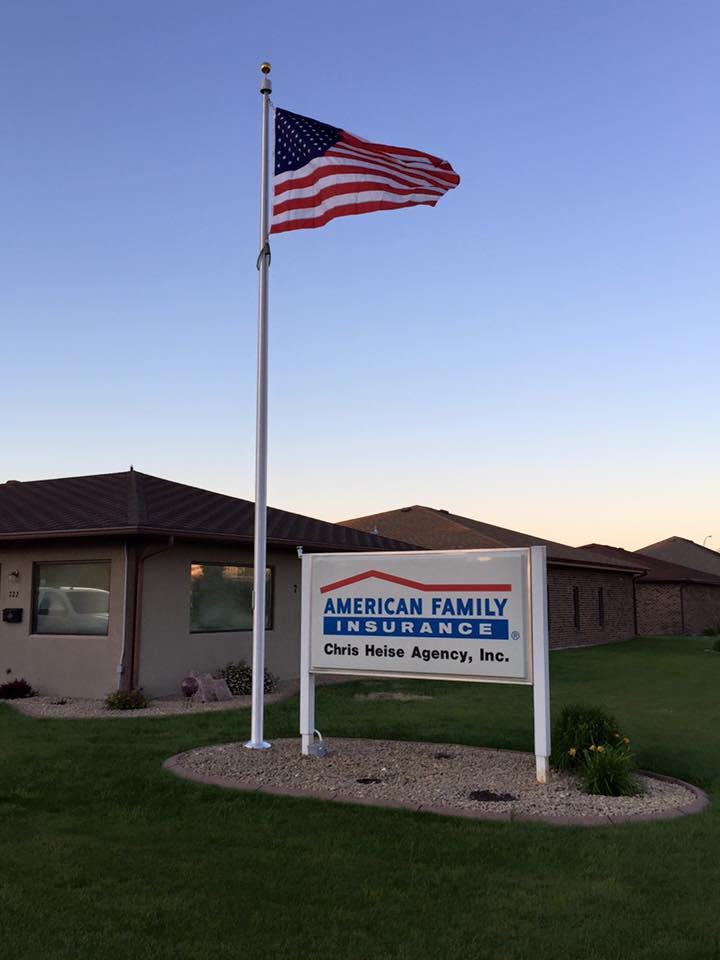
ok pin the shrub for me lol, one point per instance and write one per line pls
(711, 631)
(576, 730)
(16, 690)
(126, 700)
(238, 677)
(716, 645)
(608, 770)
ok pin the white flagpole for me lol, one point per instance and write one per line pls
(256, 741)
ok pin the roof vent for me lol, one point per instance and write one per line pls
(405, 509)
(12, 481)
(441, 510)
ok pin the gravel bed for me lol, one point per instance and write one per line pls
(429, 776)
(79, 707)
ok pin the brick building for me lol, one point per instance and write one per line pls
(590, 596)
(670, 599)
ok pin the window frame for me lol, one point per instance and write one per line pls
(36, 564)
(269, 600)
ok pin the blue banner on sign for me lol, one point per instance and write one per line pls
(457, 628)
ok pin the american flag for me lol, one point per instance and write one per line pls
(323, 172)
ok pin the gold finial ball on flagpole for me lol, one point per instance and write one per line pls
(265, 67)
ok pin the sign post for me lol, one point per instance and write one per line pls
(541, 665)
(472, 615)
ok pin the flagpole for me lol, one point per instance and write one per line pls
(256, 741)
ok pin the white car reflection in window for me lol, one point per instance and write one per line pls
(82, 610)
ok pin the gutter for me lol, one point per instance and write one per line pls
(279, 542)
(606, 568)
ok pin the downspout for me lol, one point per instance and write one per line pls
(124, 668)
(120, 669)
(137, 620)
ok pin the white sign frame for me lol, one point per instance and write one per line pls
(537, 644)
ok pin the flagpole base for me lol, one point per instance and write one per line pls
(257, 745)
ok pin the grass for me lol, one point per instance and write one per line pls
(103, 855)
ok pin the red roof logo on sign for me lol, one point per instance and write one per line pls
(416, 585)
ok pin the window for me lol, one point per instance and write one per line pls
(221, 597)
(576, 607)
(601, 606)
(71, 598)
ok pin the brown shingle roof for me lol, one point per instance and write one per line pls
(685, 552)
(658, 571)
(442, 530)
(133, 503)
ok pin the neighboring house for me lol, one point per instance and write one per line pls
(590, 597)
(670, 599)
(124, 579)
(685, 552)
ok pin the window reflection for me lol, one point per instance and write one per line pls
(72, 598)
(221, 597)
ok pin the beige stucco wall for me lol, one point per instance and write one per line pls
(75, 666)
(168, 651)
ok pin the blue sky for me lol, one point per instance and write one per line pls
(539, 351)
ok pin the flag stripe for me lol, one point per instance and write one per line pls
(315, 198)
(323, 172)
(341, 148)
(340, 199)
(335, 159)
(344, 210)
(346, 172)
(399, 151)
(437, 176)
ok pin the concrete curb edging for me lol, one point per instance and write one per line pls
(697, 805)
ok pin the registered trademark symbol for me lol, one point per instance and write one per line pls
(515, 635)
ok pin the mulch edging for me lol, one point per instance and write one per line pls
(697, 805)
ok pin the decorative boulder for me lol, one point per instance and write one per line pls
(206, 687)
(221, 689)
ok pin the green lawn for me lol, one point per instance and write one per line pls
(103, 855)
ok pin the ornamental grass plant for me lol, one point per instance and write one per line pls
(126, 700)
(608, 770)
(577, 729)
(588, 741)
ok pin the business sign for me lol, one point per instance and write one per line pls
(460, 614)
(478, 615)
